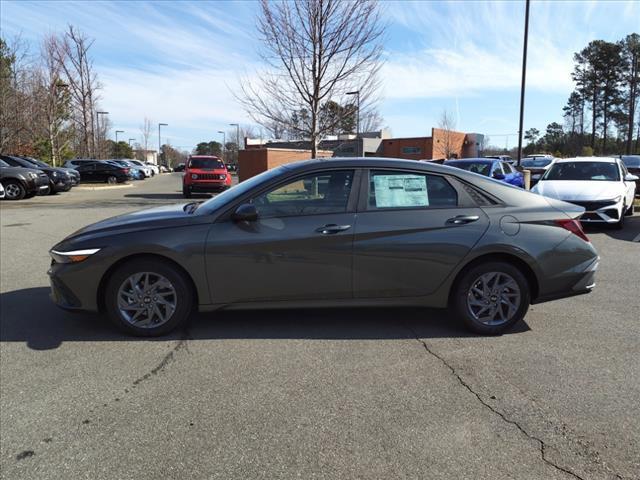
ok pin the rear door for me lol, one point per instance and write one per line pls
(413, 229)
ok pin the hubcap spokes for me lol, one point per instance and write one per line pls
(147, 300)
(493, 298)
(12, 191)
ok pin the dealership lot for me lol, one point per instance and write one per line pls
(379, 393)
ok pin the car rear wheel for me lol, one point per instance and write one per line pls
(14, 190)
(491, 297)
(148, 298)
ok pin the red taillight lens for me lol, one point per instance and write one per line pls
(125, 170)
(574, 226)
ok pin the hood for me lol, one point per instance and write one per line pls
(153, 218)
(18, 170)
(579, 189)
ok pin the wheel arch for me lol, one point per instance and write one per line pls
(514, 260)
(100, 300)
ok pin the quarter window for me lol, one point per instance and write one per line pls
(394, 189)
(326, 192)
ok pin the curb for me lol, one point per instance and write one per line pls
(102, 187)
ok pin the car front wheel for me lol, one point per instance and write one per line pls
(14, 190)
(619, 225)
(186, 191)
(148, 298)
(491, 297)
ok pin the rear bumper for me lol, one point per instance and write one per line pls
(579, 283)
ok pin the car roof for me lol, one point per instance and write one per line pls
(587, 159)
(472, 160)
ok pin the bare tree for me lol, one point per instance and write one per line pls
(316, 50)
(145, 133)
(72, 53)
(448, 124)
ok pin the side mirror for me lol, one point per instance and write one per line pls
(245, 213)
(630, 178)
(498, 176)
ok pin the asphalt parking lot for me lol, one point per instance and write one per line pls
(401, 393)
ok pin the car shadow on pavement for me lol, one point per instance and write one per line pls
(29, 316)
(629, 233)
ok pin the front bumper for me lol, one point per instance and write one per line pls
(606, 214)
(74, 285)
(62, 184)
(208, 186)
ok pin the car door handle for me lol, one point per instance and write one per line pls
(462, 219)
(332, 228)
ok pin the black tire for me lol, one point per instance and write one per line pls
(186, 191)
(629, 211)
(14, 190)
(462, 289)
(52, 189)
(619, 225)
(183, 293)
(112, 179)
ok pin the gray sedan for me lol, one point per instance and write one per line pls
(327, 233)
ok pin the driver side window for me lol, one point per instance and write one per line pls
(318, 193)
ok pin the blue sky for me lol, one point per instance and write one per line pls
(178, 62)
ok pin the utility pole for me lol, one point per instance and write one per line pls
(117, 147)
(224, 145)
(524, 77)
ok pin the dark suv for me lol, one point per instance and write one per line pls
(99, 171)
(19, 182)
(59, 180)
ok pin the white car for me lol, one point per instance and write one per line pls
(145, 168)
(601, 185)
(1, 191)
(154, 168)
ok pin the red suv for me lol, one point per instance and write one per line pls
(204, 173)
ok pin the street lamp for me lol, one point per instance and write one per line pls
(237, 140)
(357, 94)
(224, 144)
(159, 145)
(117, 132)
(96, 134)
(130, 140)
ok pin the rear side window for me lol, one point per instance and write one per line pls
(396, 189)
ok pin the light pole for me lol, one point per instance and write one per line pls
(237, 140)
(116, 147)
(130, 140)
(159, 144)
(224, 145)
(357, 94)
(96, 137)
(524, 77)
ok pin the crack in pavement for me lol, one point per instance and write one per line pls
(168, 358)
(498, 413)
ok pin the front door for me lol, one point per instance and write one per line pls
(411, 233)
(298, 249)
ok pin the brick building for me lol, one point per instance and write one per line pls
(441, 142)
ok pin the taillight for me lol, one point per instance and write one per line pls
(574, 226)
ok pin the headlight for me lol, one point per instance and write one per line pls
(73, 256)
(194, 176)
(54, 174)
(33, 175)
(617, 199)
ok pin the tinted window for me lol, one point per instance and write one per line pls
(536, 162)
(483, 168)
(326, 192)
(411, 150)
(632, 161)
(393, 189)
(596, 171)
(205, 163)
(4, 164)
(507, 168)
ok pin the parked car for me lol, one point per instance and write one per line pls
(537, 166)
(98, 171)
(632, 163)
(179, 167)
(489, 167)
(504, 158)
(599, 184)
(232, 167)
(164, 169)
(425, 235)
(148, 172)
(155, 170)
(19, 182)
(205, 174)
(73, 174)
(1, 192)
(135, 171)
(59, 180)
(76, 162)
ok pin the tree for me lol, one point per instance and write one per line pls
(172, 156)
(318, 51)
(448, 124)
(585, 75)
(119, 150)
(631, 78)
(208, 148)
(15, 121)
(531, 135)
(145, 133)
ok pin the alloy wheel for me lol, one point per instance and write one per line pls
(147, 300)
(493, 298)
(12, 190)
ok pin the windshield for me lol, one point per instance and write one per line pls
(136, 162)
(483, 168)
(536, 162)
(3, 164)
(238, 190)
(205, 163)
(632, 161)
(594, 171)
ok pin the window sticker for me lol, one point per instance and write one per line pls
(401, 191)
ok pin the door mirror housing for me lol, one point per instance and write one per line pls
(498, 176)
(630, 178)
(246, 212)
